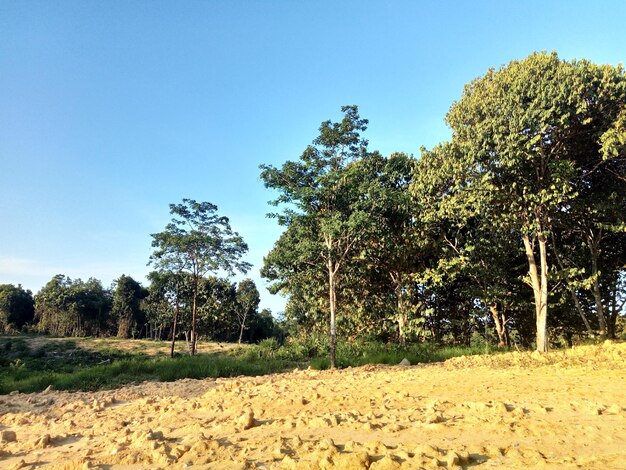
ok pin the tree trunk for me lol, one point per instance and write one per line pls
(174, 327)
(539, 284)
(333, 306)
(616, 306)
(580, 311)
(192, 349)
(597, 296)
(401, 315)
(243, 323)
(500, 325)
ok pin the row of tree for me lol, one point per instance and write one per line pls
(513, 229)
(516, 226)
(225, 311)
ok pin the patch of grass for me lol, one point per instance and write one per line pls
(67, 367)
(314, 352)
(137, 369)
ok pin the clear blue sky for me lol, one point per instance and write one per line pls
(109, 111)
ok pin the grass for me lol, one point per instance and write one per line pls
(314, 352)
(66, 366)
(136, 370)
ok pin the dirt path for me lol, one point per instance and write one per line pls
(514, 411)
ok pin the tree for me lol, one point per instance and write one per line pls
(126, 309)
(198, 241)
(67, 307)
(525, 134)
(17, 307)
(394, 250)
(321, 192)
(159, 303)
(218, 309)
(247, 303)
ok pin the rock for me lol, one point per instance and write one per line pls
(435, 418)
(358, 460)
(386, 463)
(327, 443)
(49, 389)
(18, 465)
(288, 462)
(247, 421)
(614, 409)
(43, 441)
(155, 436)
(8, 436)
(454, 459)
(405, 362)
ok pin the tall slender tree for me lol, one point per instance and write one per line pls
(198, 241)
(320, 192)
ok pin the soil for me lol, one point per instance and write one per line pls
(510, 411)
(144, 346)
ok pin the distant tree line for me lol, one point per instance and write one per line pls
(67, 307)
(512, 231)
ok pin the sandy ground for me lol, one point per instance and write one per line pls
(517, 410)
(145, 346)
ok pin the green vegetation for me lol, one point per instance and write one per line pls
(516, 225)
(66, 366)
(313, 352)
(512, 233)
(196, 242)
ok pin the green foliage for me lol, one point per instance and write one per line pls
(529, 148)
(17, 307)
(197, 241)
(529, 191)
(64, 307)
(126, 308)
(312, 351)
(66, 367)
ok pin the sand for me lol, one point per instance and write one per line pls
(515, 410)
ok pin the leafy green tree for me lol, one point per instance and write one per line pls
(159, 304)
(524, 133)
(395, 248)
(198, 241)
(264, 326)
(92, 304)
(321, 192)
(217, 309)
(52, 307)
(17, 307)
(126, 309)
(248, 300)
(67, 307)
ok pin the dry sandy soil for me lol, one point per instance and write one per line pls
(145, 346)
(516, 410)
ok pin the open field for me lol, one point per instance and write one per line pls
(143, 346)
(516, 410)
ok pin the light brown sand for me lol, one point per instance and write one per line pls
(145, 346)
(514, 411)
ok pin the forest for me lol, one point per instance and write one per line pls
(511, 233)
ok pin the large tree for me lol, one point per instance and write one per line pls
(321, 193)
(17, 307)
(127, 297)
(526, 134)
(67, 307)
(198, 241)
